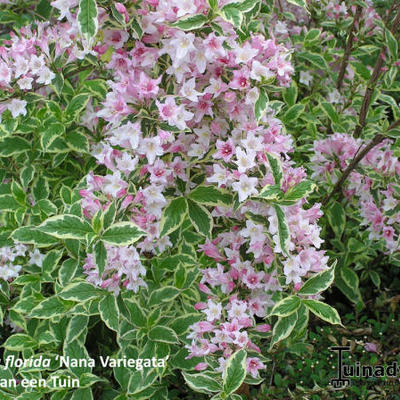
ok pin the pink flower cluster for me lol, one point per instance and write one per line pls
(10, 261)
(378, 208)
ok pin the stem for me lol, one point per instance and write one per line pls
(349, 45)
(375, 141)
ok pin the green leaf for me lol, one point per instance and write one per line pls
(32, 235)
(350, 277)
(293, 113)
(270, 192)
(163, 334)
(362, 70)
(100, 256)
(283, 230)
(312, 35)
(109, 311)
(19, 342)
(375, 278)
(50, 134)
(261, 105)
(173, 216)
(200, 218)
(231, 13)
(50, 263)
(80, 291)
(319, 282)
(8, 203)
(12, 145)
(276, 168)
(283, 328)
(315, 59)
(286, 306)
(190, 23)
(300, 3)
(337, 218)
(202, 383)
(330, 112)
(77, 141)
(49, 308)
(87, 18)
(300, 191)
(355, 246)
(122, 233)
(66, 227)
(164, 294)
(76, 105)
(392, 44)
(76, 326)
(211, 196)
(137, 315)
(235, 371)
(323, 311)
(82, 394)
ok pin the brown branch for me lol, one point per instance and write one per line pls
(372, 82)
(375, 141)
(349, 45)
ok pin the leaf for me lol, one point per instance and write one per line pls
(200, 218)
(202, 383)
(337, 218)
(190, 23)
(286, 306)
(392, 44)
(77, 141)
(299, 191)
(283, 328)
(261, 105)
(137, 315)
(235, 371)
(19, 342)
(315, 59)
(350, 278)
(323, 311)
(211, 196)
(330, 112)
(8, 203)
(173, 216)
(77, 104)
(270, 192)
(66, 227)
(293, 113)
(87, 18)
(355, 246)
(49, 308)
(283, 230)
(231, 13)
(100, 256)
(76, 326)
(109, 311)
(300, 3)
(276, 168)
(32, 235)
(163, 334)
(122, 233)
(51, 133)
(164, 294)
(12, 145)
(80, 292)
(319, 282)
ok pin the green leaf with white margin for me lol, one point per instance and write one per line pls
(75, 107)
(202, 383)
(323, 311)
(80, 291)
(283, 328)
(163, 334)
(173, 216)
(286, 306)
(164, 294)
(8, 203)
(300, 3)
(100, 256)
(78, 141)
(192, 22)
(270, 192)
(303, 316)
(276, 168)
(235, 371)
(301, 190)
(49, 308)
(76, 326)
(232, 13)
(66, 227)
(109, 311)
(122, 233)
(392, 44)
(19, 342)
(211, 196)
(260, 106)
(349, 277)
(12, 145)
(283, 230)
(200, 218)
(87, 18)
(336, 218)
(319, 282)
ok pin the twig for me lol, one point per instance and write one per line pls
(349, 45)
(375, 141)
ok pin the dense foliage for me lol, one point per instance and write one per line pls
(188, 185)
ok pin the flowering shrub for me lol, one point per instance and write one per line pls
(171, 179)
